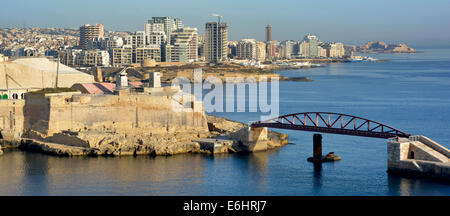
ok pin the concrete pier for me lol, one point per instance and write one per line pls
(317, 152)
(317, 147)
(257, 139)
(418, 156)
(215, 146)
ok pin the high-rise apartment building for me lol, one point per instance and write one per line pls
(309, 46)
(261, 51)
(247, 49)
(163, 24)
(216, 41)
(335, 50)
(272, 49)
(268, 33)
(185, 45)
(88, 32)
(287, 49)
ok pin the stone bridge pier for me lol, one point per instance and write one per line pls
(257, 139)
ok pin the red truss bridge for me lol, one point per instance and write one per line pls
(335, 123)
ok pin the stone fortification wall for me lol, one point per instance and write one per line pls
(418, 156)
(11, 119)
(76, 112)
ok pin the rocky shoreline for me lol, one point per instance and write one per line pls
(101, 143)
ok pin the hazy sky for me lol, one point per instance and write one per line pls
(416, 22)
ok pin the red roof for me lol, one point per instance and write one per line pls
(105, 88)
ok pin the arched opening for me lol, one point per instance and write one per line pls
(5, 96)
(22, 96)
(15, 96)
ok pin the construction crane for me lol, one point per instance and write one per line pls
(218, 17)
(218, 32)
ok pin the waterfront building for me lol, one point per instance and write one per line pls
(247, 49)
(272, 50)
(261, 51)
(335, 50)
(349, 50)
(322, 52)
(309, 46)
(287, 49)
(216, 41)
(268, 33)
(88, 32)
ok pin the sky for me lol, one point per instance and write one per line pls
(419, 23)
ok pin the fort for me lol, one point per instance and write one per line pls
(115, 119)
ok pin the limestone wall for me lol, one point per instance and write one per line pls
(412, 157)
(11, 119)
(151, 114)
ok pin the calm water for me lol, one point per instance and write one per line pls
(410, 92)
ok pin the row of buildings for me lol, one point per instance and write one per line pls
(166, 39)
(309, 47)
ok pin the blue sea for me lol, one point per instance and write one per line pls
(410, 92)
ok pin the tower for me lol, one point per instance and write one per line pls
(268, 33)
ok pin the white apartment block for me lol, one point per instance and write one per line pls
(287, 49)
(156, 38)
(247, 49)
(163, 24)
(137, 39)
(106, 43)
(335, 50)
(184, 43)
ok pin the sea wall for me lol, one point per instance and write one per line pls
(416, 158)
(75, 124)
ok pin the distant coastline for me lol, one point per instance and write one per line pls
(382, 47)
